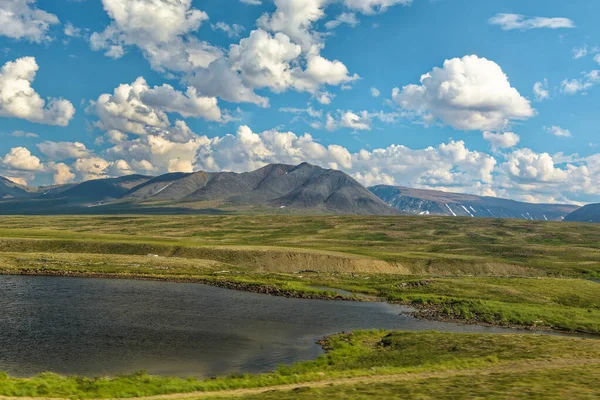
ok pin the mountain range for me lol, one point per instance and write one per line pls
(432, 202)
(275, 188)
(304, 188)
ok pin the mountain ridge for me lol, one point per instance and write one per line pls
(279, 188)
(432, 202)
(303, 188)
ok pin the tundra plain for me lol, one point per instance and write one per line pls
(525, 274)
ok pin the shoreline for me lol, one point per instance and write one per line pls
(431, 312)
(268, 290)
(422, 311)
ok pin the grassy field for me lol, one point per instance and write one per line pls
(503, 272)
(375, 365)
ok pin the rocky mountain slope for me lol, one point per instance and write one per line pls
(303, 188)
(10, 190)
(431, 202)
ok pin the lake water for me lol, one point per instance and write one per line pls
(104, 326)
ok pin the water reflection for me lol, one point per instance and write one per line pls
(103, 327)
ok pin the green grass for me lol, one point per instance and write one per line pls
(503, 272)
(434, 245)
(565, 383)
(372, 353)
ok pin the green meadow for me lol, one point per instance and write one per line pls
(540, 275)
(370, 364)
(494, 271)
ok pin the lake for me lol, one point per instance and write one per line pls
(107, 326)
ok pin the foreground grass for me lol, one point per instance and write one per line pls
(360, 354)
(502, 272)
(559, 383)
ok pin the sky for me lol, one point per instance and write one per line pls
(497, 98)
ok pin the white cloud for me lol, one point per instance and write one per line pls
(252, 2)
(375, 92)
(161, 29)
(233, 30)
(19, 180)
(504, 140)
(24, 134)
(19, 100)
(597, 58)
(248, 150)
(522, 22)
(469, 93)
(21, 159)
(63, 150)
(581, 85)
(264, 60)
(526, 165)
(357, 122)
(558, 131)
(374, 6)
(295, 18)
(540, 90)
(135, 107)
(344, 18)
(220, 79)
(188, 104)
(62, 174)
(161, 150)
(580, 52)
(71, 30)
(91, 168)
(21, 19)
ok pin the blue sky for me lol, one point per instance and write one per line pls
(509, 107)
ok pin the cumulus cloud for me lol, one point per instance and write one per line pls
(263, 60)
(63, 150)
(470, 93)
(272, 61)
(91, 168)
(21, 159)
(516, 21)
(503, 140)
(528, 166)
(135, 107)
(220, 79)
(62, 174)
(172, 149)
(161, 29)
(375, 92)
(248, 150)
(21, 19)
(19, 100)
(358, 122)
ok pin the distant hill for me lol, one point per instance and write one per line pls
(11, 190)
(277, 186)
(431, 202)
(96, 190)
(589, 213)
(304, 188)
